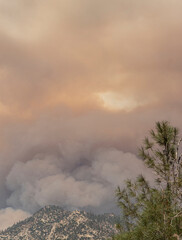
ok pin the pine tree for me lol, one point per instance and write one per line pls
(154, 212)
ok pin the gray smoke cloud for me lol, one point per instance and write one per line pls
(46, 179)
(81, 83)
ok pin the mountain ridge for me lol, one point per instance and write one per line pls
(56, 223)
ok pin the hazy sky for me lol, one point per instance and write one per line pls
(81, 83)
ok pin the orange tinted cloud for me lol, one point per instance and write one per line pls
(80, 79)
(65, 52)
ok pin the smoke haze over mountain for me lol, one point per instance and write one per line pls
(81, 83)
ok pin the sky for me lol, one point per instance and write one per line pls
(81, 84)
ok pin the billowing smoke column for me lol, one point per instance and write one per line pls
(81, 83)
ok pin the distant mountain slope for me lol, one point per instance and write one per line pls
(55, 223)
